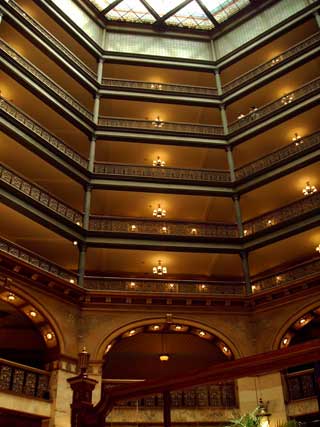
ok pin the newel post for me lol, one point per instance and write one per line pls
(82, 414)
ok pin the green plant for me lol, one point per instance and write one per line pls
(250, 419)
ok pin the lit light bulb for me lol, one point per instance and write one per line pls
(297, 139)
(309, 189)
(132, 332)
(159, 212)
(33, 313)
(158, 162)
(318, 248)
(159, 269)
(158, 123)
(178, 328)
(75, 243)
(164, 357)
(225, 349)
(285, 341)
(202, 333)
(49, 336)
(155, 327)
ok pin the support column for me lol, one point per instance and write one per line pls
(100, 71)
(218, 81)
(92, 154)
(96, 108)
(246, 271)
(236, 202)
(86, 207)
(317, 16)
(224, 119)
(166, 409)
(82, 263)
(231, 163)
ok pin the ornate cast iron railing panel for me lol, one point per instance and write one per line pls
(148, 125)
(285, 277)
(152, 286)
(22, 119)
(213, 395)
(35, 260)
(285, 153)
(173, 174)
(39, 195)
(301, 385)
(159, 87)
(24, 380)
(169, 228)
(49, 38)
(41, 77)
(275, 62)
(276, 106)
(282, 215)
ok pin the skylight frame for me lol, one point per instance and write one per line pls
(161, 18)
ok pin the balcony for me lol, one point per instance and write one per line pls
(301, 385)
(50, 43)
(282, 106)
(40, 78)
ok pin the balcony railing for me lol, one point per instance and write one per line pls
(36, 193)
(24, 380)
(126, 171)
(163, 127)
(276, 106)
(35, 260)
(284, 277)
(22, 119)
(156, 228)
(213, 396)
(48, 37)
(285, 153)
(186, 90)
(275, 62)
(49, 83)
(157, 286)
(282, 215)
(301, 385)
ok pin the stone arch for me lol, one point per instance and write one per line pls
(290, 322)
(109, 339)
(32, 309)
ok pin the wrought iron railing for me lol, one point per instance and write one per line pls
(172, 228)
(158, 126)
(285, 153)
(40, 76)
(157, 286)
(22, 119)
(38, 194)
(49, 38)
(35, 260)
(282, 215)
(159, 87)
(24, 380)
(173, 174)
(213, 395)
(275, 62)
(301, 385)
(276, 106)
(284, 277)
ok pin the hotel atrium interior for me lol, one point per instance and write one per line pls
(159, 212)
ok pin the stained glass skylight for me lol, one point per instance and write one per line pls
(131, 11)
(191, 16)
(196, 14)
(222, 9)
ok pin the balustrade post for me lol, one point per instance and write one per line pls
(245, 267)
(87, 206)
(82, 263)
(166, 409)
(92, 154)
(218, 81)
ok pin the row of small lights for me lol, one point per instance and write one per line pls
(303, 321)
(32, 313)
(285, 100)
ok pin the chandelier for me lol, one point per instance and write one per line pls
(159, 212)
(158, 123)
(297, 139)
(159, 269)
(309, 189)
(318, 248)
(158, 162)
(286, 99)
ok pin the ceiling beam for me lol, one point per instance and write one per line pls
(208, 13)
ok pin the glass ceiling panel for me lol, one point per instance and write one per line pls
(190, 16)
(163, 6)
(131, 11)
(224, 9)
(101, 4)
